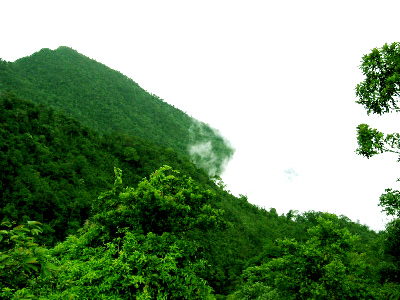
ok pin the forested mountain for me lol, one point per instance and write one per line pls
(88, 213)
(52, 166)
(108, 101)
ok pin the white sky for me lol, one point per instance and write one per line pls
(277, 79)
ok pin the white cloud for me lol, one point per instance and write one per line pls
(290, 174)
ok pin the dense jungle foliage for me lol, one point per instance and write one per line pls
(91, 214)
(108, 101)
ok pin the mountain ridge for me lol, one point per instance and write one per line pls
(108, 101)
(165, 229)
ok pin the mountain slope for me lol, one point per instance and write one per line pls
(52, 167)
(52, 170)
(108, 101)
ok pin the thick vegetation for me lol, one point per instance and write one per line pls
(108, 101)
(52, 166)
(86, 214)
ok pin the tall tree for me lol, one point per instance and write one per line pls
(141, 243)
(379, 93)
(327, 266)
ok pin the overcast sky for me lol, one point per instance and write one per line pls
(276, 78)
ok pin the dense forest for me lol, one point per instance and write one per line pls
(103, 197)
(108, 101)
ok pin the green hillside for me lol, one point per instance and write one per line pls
(52, 167)
(90, 213)
(108, 101)
(56, 171)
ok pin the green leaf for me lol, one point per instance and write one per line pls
(26, 268)
(31, 260)
(51, 266)
(21, 228)
(36, 268)
(30, 223)
(36, 231)
(3, 257)
(14, 237)
(39, 250)
(6, 223)
(31, 244)
(19, 250)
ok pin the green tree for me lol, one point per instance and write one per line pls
(379, 93)
(141, 243)
(166, 202)
(325, 267)
(24, 265)
(52, 167)
(108, 101)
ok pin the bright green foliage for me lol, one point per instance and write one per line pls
(380, 89)
(53, 169)
(390, 201)
(166, 238)
(139, 243)
(24, 264)
(135, 266)
(166, 202)
(379, 94)
(325, 267)
(371, 141)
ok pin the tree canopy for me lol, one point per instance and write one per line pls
(94, 213)
(109, 102)
(379, 93)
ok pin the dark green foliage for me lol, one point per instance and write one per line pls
(379, 94)
(380, 88)
(108, 101)
(370, 141)
(390, 201)
(392, 241)
(163, 234)
(51, 167)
